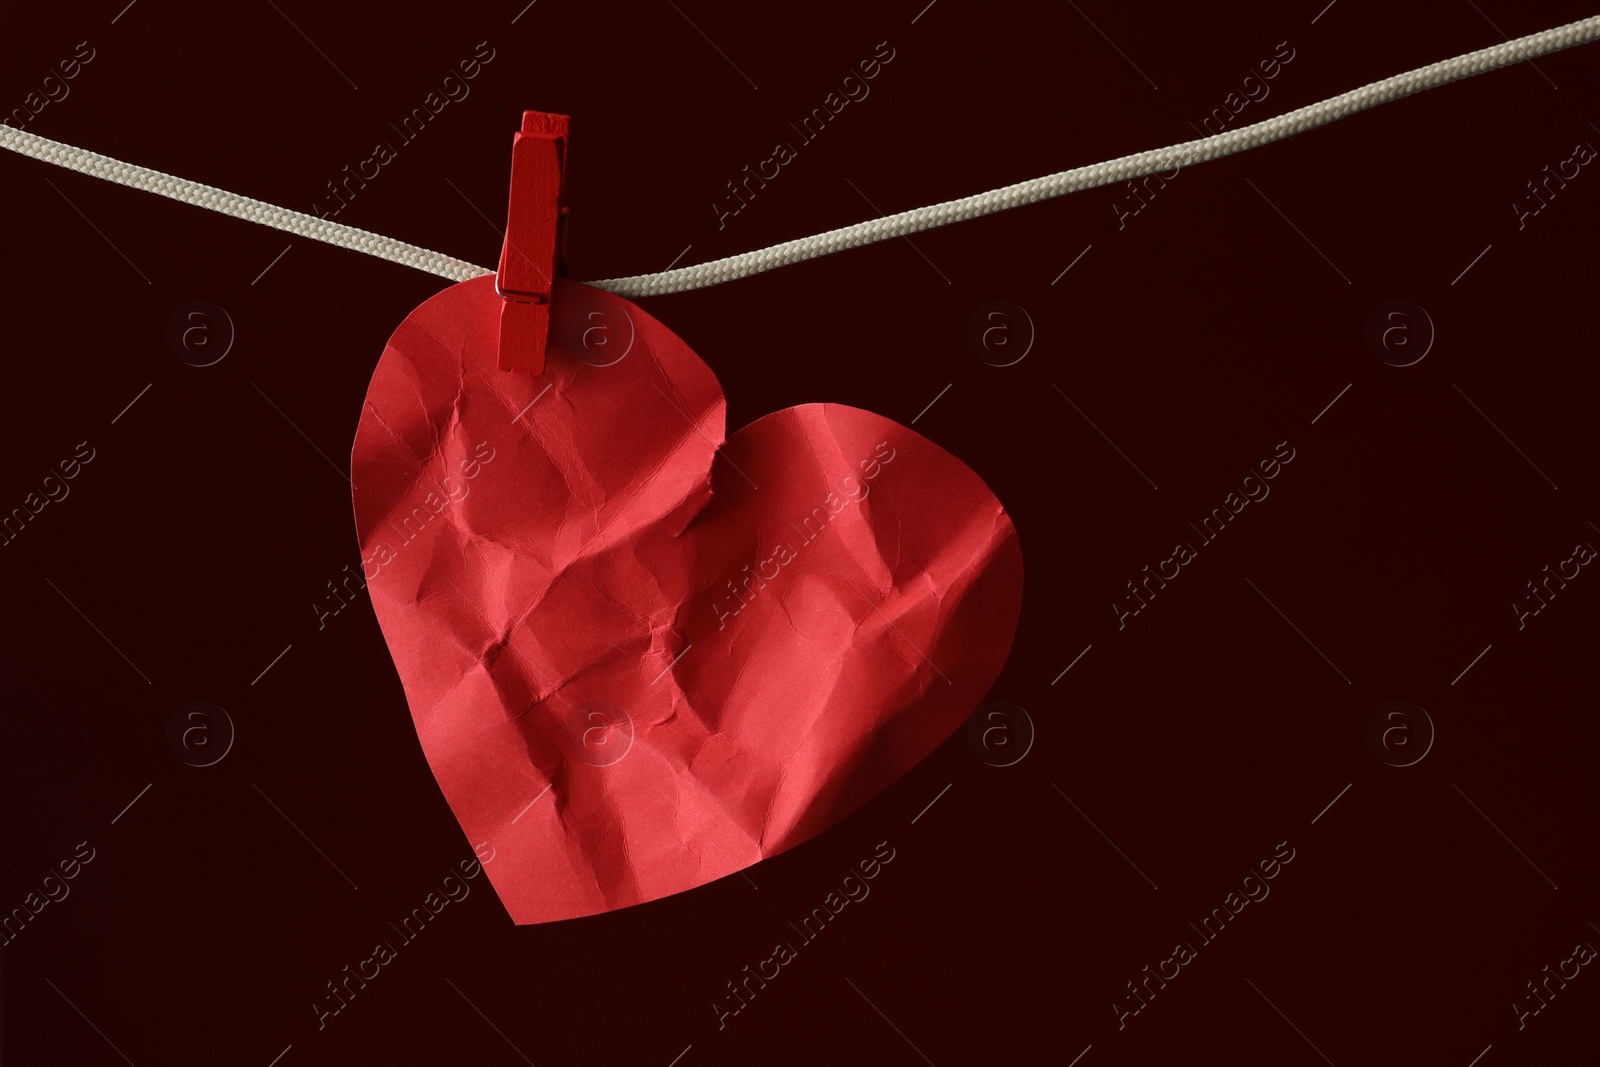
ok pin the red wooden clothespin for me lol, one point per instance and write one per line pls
(533, 253)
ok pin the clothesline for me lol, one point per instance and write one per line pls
(731, 268)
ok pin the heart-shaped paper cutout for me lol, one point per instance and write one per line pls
(639, 659)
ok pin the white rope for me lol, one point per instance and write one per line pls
(907, 222)
(240, 207)
(1110, 172)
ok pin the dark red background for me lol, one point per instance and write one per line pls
(1196, 338)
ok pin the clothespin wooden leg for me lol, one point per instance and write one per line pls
(531, 256)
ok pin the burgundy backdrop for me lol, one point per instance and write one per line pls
(1179, 337)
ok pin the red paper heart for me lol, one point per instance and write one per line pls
(638, 659)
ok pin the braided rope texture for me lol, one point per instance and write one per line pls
(240, 207)
(728, 269)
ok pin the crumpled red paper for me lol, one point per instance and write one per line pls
(639, 658)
